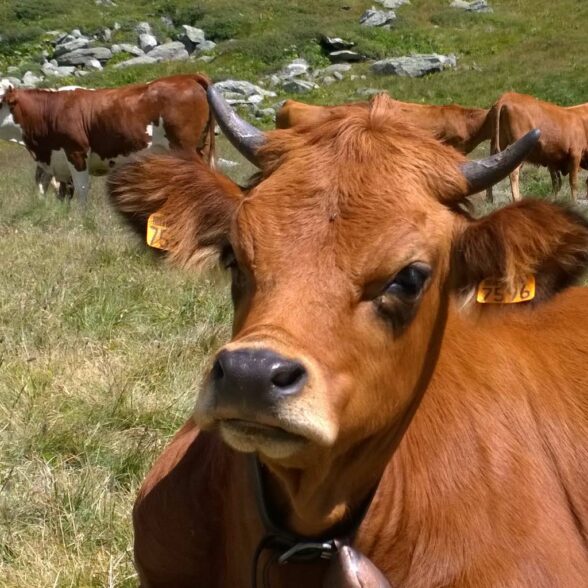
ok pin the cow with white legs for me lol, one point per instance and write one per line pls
(78, 133)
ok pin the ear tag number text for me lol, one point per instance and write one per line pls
(493, 292)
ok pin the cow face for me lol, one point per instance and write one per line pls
(346, 258)
(9, 129)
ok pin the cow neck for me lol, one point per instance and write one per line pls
(288, 546)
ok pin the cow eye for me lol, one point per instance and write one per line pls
(409, 282)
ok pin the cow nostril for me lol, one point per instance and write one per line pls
(288, 376)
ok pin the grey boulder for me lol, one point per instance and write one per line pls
(377, 18)
(475, 6)
(147, 42)
(30, 80)
(140, 60)
(82, 56)
(72, 45)
(143, 28)
(127, 48)
(345, 56)
(172, 51)
(50, 69)
(296, 86)
(414, 66)
(391, 4)
(192, 37)
(242, 88)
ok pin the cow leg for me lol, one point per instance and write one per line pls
(555, 181)
(514, 184)
(42, 179)
(574, 170)
(81, 182)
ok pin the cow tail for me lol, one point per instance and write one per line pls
(495, 145)
(209, 133)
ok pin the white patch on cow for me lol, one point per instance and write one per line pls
(149, 133)
(159, 140)
(9, 129)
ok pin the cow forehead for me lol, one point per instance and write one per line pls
(359, 184)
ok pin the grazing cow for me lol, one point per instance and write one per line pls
(563, 147)
(81, 132)
(376, 412)
(460, 127)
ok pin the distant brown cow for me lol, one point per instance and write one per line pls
(458, 126)
(77, 133)
(563, 147)
(363, 375)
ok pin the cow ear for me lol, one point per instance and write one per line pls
(193, 204)
(531, 239)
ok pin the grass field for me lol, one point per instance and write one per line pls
(101, 347)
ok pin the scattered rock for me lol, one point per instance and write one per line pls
(475, 6)
(296, 86)
(206, 45)
(72, 45)
(12, 69)
(52, 69)
(172, 51)
(338, 75)
(77, 33)
(328, 80)
(147, 42)
(167, 21)
(140, 60)
(80, 73)
(345, 56)
(265, 113)
(369, 91)
(295, 68)
(206, 58)
(30, 80)
(377, 18)
(242, 88)
(143, 28)
(82, 56)
(108, 3)
(414, 66)
(192, 37)
(335, 43)
(105, 35)
(93, 65)
(116, 26)
(336, 67)
(391, 4)
(127, 48)
(8, 82)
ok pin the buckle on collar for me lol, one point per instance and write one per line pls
(308, 551)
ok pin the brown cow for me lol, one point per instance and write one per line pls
(81, 132)
(458, 126)
(362, 368)
(563, 147)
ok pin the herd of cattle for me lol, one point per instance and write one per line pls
(103, 127)
(404, 400)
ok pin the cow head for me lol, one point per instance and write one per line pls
(346, 257)
(9, 129)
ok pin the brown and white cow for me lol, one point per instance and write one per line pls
(79, 133)
(458, 126)
(362, 366)
(563, 147)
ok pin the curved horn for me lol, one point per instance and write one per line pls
(245, 137)
(483, 173)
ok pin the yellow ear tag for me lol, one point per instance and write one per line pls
(494, 292)
(156, 232)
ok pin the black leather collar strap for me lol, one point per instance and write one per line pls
(289, 547)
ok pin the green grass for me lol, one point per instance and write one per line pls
(102, 348)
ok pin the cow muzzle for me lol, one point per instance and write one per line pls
(262, 401)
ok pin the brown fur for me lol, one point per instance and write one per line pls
(460, 127)
(112, 122)
(473, 426)
(563, 146)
